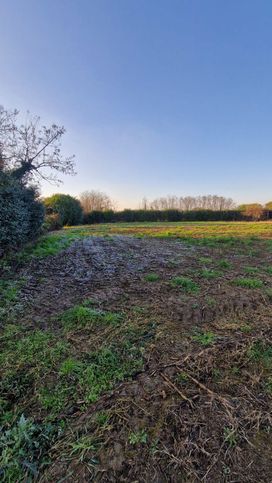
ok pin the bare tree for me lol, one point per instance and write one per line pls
(31, 150)
(95, 201)
(144, 204)
(188, 203)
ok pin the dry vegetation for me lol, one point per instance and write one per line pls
(138, 358)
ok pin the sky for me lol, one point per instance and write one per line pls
(158, 96)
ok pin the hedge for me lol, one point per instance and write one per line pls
(166, 215)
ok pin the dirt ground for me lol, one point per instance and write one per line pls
(200, 406)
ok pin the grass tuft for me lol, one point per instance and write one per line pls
(248, 282)
(185, 283)
(152, 277)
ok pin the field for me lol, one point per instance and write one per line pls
(138, 352)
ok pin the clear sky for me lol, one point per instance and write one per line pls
(158, 96)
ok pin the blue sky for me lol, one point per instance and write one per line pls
(158, 96)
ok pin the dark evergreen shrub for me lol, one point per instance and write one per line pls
(21, 214)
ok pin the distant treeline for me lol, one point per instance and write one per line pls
(111, 216)
(95, 207)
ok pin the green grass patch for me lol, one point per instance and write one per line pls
(204, 338)
(82, 316)
(261, 352)
(205, 260)
(251, 270)
(224, 264)
(185, 283)
(206, 273)
(152, 277)
(248, 282)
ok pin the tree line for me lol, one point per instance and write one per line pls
(30, 152)
(188, 203)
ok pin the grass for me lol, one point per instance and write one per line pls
(42, 369)
(185, 284)
(206, 233)
(205, 260)
(198, 230)
(207, 273)
(138, 437)
(81, 316)
(248, 283)
(261, 352)
(251, 270)
(73, 387)
(224, 264)
(152, 277)
(204, 338)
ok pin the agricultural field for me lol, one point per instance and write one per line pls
(138, 352)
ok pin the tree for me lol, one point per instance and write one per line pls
(268, 206)
(66, 207)
(252, 210)
(189, 203)
(30, 150)
(95, 201)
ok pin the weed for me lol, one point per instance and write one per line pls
(106, 367)
(195, 305)
(39, 349)
(55, 399)
(23, 449)
(185, 283)
(246, 328)
(138, 310)
(216, 374)
(138, 437)
(81, 316)
(261, 352)
(70, 367)
(82, 446)
(154, 446)
(230, 437)
(248, 282)
(204, 338)
(9, 304)
(182, 377)
(206, 273)
(235, 370)
(102, 418)
(224, 264)
(205, 260)
(152, 277)
(210, 301)
(251, 270)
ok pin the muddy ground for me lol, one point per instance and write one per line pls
(202, 405)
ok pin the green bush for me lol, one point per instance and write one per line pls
(66, 207)
(21, 214)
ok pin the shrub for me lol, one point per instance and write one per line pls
(52, 222)
(21, 214)
(66, 207)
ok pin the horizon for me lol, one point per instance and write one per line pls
(156, 98)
